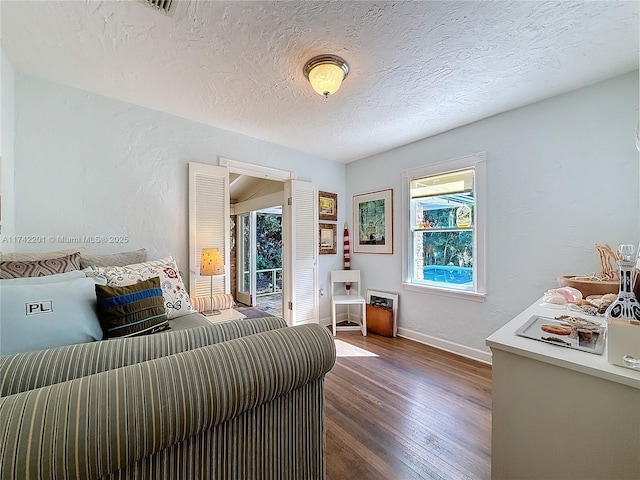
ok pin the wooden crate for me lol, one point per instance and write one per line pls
(380, 320)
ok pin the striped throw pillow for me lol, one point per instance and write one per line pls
(131, 310)
(176, 298)
(219, 301)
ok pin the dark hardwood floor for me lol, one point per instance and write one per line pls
(413, 412)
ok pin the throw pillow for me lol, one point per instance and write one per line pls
(219, 301)
(113, 259)
(39, 268)
(132, 310)
(176, 298)
(30, 256)
(36, 314)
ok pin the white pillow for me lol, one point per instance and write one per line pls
(36, 314)
(176, 298)
(113, 259)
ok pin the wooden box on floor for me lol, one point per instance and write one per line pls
(380, 320)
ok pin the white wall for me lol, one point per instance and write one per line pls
(7, 124)
(90, 165)
(562, 175)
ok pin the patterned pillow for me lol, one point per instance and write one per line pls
(39, 268)
(132, 310)
(22, 256)
(113, 259)
(176, 298)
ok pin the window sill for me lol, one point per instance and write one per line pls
(445, 292)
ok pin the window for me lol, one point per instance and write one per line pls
(444, 225)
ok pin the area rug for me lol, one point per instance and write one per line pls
(344, 349)
(251, 312)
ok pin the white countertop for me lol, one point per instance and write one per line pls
(591, 364)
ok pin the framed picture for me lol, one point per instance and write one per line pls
(328, 238)
(328, 206)
(385, 300)
(373, 222)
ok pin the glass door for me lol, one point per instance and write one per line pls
(246, 261)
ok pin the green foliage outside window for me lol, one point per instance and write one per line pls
(268, 241)
(446, 247)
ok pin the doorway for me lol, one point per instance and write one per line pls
(299, 202)
(259, 259)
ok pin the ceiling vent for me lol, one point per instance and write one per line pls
(162, 5)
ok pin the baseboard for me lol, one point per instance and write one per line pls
(447, 346)
(341, 317)
(451, 347)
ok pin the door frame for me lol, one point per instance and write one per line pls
(248, 298)
(258, 171)
(242, 168)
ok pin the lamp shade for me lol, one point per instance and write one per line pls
(211, 262)
(326, 73)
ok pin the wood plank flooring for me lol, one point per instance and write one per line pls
(413, 412)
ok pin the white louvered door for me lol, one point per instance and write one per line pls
(208, 225)
(300, 259)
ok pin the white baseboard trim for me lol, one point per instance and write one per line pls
(339, 318)
(447, 346)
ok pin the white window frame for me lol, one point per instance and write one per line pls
(476, 161)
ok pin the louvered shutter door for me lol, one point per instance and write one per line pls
(208, 225)
(301, 252)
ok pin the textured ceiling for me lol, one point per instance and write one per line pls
(417, 68)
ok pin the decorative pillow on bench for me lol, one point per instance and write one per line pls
(121, 259)
(29, 256)
(39, 268)
(219, 301)
(132, 310)
(46, 312)
(176, 298)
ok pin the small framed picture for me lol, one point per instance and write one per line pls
(385, 300)
(328, 238)
(328, 206)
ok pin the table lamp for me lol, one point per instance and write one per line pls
(211, 264)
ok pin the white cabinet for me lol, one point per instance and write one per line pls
(559, 413)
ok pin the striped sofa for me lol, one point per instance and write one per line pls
(232, 400)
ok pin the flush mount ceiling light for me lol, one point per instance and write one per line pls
(326, 73)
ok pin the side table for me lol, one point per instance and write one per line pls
(225, 315)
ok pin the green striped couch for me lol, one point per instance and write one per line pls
(232, 400)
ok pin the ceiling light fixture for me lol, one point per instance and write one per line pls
(326, 73)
